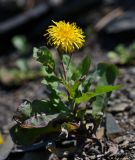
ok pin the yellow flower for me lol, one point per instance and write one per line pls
(1, 139)
(65, 36)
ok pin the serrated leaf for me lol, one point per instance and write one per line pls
(44, 56)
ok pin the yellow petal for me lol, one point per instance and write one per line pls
(65, 36)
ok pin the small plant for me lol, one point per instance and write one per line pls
(72, 91)
(20, 71)
(123, 54)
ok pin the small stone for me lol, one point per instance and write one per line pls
(132, 111)
(112, 128)
(122, 151)
(133, 147)
(132, 93)
(119, 107)
(119, 140)
(125, 144)
(92, 157)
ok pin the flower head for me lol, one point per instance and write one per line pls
(65, 36)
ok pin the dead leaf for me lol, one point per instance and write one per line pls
(100, 132)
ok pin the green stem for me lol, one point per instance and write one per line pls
(69, 61)
(62, 64)
(64, 70)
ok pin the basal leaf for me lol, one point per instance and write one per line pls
(39, 120)
(39, 109)
(26, 136)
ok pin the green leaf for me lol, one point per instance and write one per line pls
(120, 55)
(39, 107)
(22, 64)
(23, 112)
(66, 59)
(114, 57)
(85, 66)
(105, 89)
(98, 91)
(70, 67)
(107, 74)
(51, 82)
(121, 50)
(85, 86)
(82, 69)
(26, 136)
(44, 56)
(21, 44)
(72, 89)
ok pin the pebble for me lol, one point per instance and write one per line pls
(112, 128)
(132, 111)
(119, 140)
(125, 144)
(132, 93)
(120, 107)
(92, 157)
